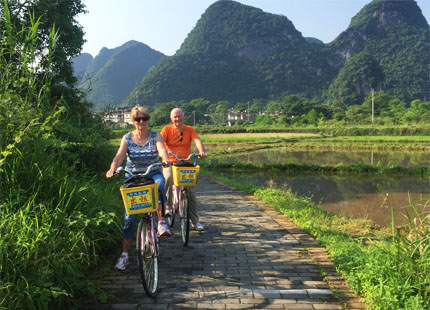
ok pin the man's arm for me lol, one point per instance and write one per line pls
(200, 147)
(162, 151)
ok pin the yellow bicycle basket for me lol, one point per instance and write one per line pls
(185, 176)
(140, 199)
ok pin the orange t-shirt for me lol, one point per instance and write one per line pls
(172, 140)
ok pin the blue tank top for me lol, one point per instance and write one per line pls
(139, 157)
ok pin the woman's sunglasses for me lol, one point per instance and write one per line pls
(138, 119)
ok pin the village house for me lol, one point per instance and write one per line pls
(119, 115)
(242, 115)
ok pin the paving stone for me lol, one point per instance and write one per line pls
(326, 306)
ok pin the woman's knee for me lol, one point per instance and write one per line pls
(129, 226)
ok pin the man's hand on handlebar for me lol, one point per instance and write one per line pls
(203, 155)
(166, 164)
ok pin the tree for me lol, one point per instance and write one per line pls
(394, 111)
(355, 113)
(161, 115)
(60, 14)
(264, 120)
(293, 105)
(381, 103)
(418, 112)
(195, 111)
(284, 120)
(274, 107)
(239, 106)
(312, 117)
(256, 107)
(220, 115)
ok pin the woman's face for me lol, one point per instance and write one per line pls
(141, 121)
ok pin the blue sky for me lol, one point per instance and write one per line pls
(164, 24)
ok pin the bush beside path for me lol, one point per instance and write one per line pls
(249, 257)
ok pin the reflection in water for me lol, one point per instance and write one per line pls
(351, 195)
(332, 157)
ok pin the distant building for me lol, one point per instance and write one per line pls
(242, 115)
(119, 115)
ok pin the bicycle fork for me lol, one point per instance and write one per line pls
(154, 235)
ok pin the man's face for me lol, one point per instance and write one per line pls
(177, 118)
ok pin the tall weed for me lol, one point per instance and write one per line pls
(56, 216)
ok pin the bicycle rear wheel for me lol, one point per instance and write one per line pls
(147, 254)
(185, 217)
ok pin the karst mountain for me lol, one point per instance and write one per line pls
(238, 52)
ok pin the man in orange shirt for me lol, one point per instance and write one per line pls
(177, 138)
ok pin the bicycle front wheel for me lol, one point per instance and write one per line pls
(185, 217)
(171, 218)
(147, 255)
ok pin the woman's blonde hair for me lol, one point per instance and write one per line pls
(142, 110)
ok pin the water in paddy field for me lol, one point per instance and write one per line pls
(365, 196)
(282, 155)
(356, 196)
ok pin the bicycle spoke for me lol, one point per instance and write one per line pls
(147, 254)
(185, 217)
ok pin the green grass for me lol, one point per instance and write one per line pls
(416, 143)
(319, 139)
(358, 168)
(329, 129)
(409, 139)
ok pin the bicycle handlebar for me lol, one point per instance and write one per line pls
(148, 170)
(185, 159)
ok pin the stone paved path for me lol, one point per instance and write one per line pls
(249, 257)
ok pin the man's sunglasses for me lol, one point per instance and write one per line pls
(180, 138)
(138, 119)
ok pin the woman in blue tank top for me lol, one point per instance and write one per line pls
(142, 147)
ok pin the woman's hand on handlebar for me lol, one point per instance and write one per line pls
(114, 172)
(110, 173)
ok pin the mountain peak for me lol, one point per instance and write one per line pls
(231, 26)
(382, 13)
(397, 35)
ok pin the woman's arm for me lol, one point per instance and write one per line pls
(118, 159)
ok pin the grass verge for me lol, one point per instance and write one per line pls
(340, 168)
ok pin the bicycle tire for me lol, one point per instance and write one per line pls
(171, 218)
(147, 255)
(185, 217)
